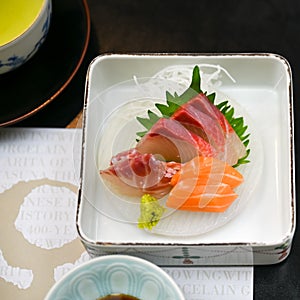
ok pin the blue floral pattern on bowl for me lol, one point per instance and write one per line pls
(116, 274)
(15, 60)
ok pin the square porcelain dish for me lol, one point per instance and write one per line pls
(262, 230)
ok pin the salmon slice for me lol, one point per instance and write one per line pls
(207, 170)
(204, 183)
(134, 174)
(173, 142)
(216, 197)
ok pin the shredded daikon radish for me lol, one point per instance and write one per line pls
(182, 73)
(155, 88)
(177, 78)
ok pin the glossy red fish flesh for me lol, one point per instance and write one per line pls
(171, 141)
(205, 119)
(132, 173)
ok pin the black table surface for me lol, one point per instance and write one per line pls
(199, 26)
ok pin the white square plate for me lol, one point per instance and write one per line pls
(262, 231)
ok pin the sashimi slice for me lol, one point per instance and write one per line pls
(201, 124)
(218, 199)
(173, 142)
(202, 182)
(234, 148)
(202, 103)
(208, 170)
(134, 174)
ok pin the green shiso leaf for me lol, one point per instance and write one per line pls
(173, 102)
(196, 80)
(150, 212)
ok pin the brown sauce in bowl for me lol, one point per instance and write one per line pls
(118, 297)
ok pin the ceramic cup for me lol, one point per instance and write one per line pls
(24, 25)
(116, 274)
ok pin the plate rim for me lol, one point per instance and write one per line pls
(95, 245)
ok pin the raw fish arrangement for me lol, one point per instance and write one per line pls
(188, 155)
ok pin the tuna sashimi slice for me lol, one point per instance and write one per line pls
(202, 103)
(201, 124)
(233, 148)
(134, 174)
(173, 142)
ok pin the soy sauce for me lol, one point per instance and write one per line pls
(118, 297)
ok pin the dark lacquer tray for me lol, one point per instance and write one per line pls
(31, 87)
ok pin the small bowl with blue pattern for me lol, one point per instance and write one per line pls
(24, 27)
(114, 277)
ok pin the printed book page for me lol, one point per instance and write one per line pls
(39, 243)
